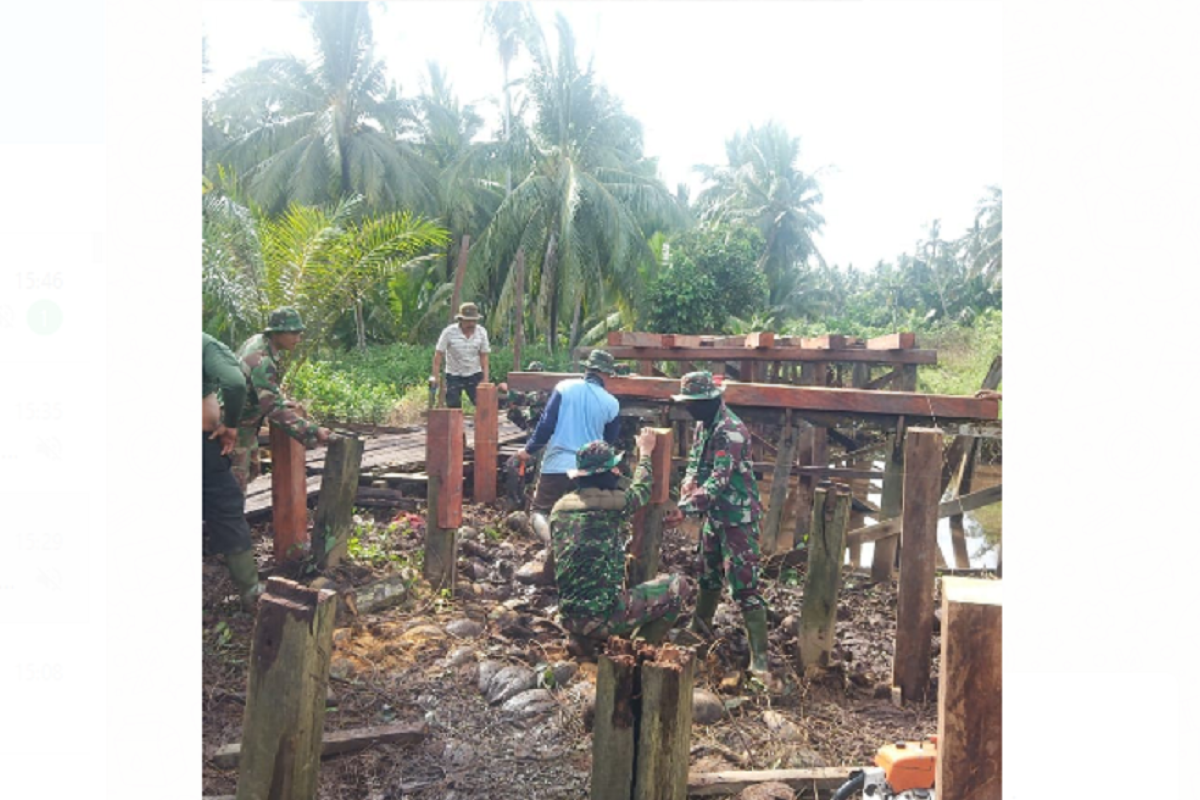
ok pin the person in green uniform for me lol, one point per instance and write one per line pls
(589, 553)
(719, 487)
(260, 353)
(223, 503)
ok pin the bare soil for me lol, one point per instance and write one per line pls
(403, 665)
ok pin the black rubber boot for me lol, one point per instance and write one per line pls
(706, 608)
(756, 633)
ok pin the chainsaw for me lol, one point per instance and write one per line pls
(902, 771)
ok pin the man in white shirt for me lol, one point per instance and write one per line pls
(464, 346)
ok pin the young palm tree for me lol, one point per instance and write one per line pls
(584, 210)
(312, 132)
(761, 185)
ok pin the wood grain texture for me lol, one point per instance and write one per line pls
(289, 496)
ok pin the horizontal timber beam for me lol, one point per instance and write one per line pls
(865, 355)
(802, 398)
(950, 508)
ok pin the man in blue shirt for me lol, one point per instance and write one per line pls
(579, 411)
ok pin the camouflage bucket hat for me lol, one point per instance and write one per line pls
(698, 386)
(284, 320)
(536, 366)
(594, 458)
(601, 361)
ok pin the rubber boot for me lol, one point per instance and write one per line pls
(756, 633)
(244, 571)
(706, 608)
(655, 631)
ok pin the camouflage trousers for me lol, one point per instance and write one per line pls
(661, 598)
(731, 551)
(246, 463)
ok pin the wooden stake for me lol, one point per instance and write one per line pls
(285, 698)
(914, 603)
(779, 488)
(335, 504)
(487, 438)
(969, 690)
(646, 542)
(289, 496)
(883, 562)
(823, 580)
(665, 725)
(443, 462)
(613, 730)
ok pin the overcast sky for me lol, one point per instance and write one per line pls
(897, 103)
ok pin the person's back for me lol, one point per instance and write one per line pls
(585, 409)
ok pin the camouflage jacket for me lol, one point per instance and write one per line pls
(524, 408)
(267, 399)
(721, 473)
(224, 374)
(589, 548)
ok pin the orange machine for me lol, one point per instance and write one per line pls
(908, 765)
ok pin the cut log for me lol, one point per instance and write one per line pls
(613, 730)
(779, 488)
(813, 780)
(823, 580)
(646, 543)
(335, 504)
(760, 340)
(664, 726)
(914, 601)
(338, 742)
(970, 690)
(285, 698)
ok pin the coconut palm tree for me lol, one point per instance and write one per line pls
(761, 185)
(313, 132)
(984, 243)
(511, 24)
(585, 208)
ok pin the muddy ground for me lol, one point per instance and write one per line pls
(422, 660)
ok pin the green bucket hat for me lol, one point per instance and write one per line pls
(536, 366)
(601, 361)
(594, 458)
(284, 320)
(698, 386)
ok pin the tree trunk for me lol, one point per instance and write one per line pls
(548, 306)
(574, 337)
(360, 324)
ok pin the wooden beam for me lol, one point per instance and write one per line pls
(443, 462)
(672, 340)
(781, 472)
(285, 696)
(803, 398)
(893, 341)
(487, 437)
(883, 380)
(289, 496)
(785, 354)
(335, 504)
(646, 543)
(818, 779)
(892, 527)
(830, 341)
(914, 602)
(338, 742)
(970, 690)
(664, 726)
(760, 340)
(613, 743)
(823, 579)
(883, 560)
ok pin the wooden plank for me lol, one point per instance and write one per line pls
(717, 784)
(823, 579)
(289, 497)
(893, 341)
(883, 560)
(781, 471)
(335, 504)
(803, 398)
(443, 460)
(673, 340)
(970, 696)
(637, 339)
(883, 380)
(487, 426)
(646, 542)
(760, 340)
(285, 696)
(914, 602)
(338, 742)
(785, 354)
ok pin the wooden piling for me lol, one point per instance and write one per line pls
(914, 603)
(289, 496)
(891, 502)
(665, 725)
(487, 442)
(613, 741)
(443, 464)
(335, 504)
(285, 696)
(823, 580)
(647, 523)
(969, 690)
(780, 479)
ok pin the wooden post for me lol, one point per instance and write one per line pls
(646, 367)
(464, 247)
(822, 582)
(443, 464)
(958, 532)
(289, 496)
(613, 730)
(335, 504)
(883, 562)
(285, 696)
(779, 488)
(487, 442)
(519, 310)
(969, 690)
(646, 543)
(665, 725)
(914, 602)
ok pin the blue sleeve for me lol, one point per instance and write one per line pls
(546, 425)
(612, 431)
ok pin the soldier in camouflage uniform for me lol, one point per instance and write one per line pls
(524, 409)
(719, 486)
(260, 354)
(589, 552)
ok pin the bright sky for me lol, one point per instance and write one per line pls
(897, 103)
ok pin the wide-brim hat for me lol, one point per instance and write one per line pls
(594, 458)
(284, 320)
(468, 311)
(698, 386)
(601, 361)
